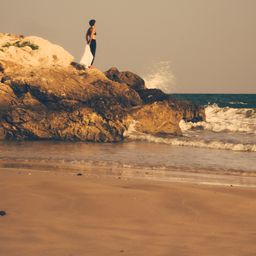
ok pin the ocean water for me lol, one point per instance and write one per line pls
(224, 144)
(230, 124)
(222, 100)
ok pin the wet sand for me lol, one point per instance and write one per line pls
(53, 214)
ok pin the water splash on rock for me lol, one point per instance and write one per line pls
(160, 76)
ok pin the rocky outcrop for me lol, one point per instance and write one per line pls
(32, 51)
(132, 80)
(63, 103)
(157, 118)
(186, 110)
(43, 96)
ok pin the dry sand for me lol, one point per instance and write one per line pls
(61, 214)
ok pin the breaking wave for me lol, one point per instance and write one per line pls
(218, 120)
(225, 120)
(191, 142)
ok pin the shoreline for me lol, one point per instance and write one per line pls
(171, 174)
(60, 213)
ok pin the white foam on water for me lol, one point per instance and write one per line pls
(161, 77)
(225, 119)
(238, 102)
(132, 134)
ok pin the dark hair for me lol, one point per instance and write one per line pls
(92, 22)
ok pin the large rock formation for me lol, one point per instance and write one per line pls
(63, 103)
(43, 96)
(32, 51)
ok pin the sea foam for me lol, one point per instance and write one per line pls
(225, 119)
(215, 144)
(133, 134)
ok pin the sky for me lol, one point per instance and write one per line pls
(190, 46)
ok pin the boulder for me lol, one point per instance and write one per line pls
(126, 77)
(156, 119)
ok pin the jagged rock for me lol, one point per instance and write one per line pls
(7, 98)
(187, 110)
(126, 77)
(66, 104)
(53, 85)
(81, 124)
(156, 118)
(149, 96)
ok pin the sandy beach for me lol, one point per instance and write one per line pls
(127, 128)
(64, 214)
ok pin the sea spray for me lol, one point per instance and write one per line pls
(160, 76)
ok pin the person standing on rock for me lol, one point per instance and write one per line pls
(90, 48)
(91, 38)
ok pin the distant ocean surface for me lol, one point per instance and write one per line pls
(221, 100)
(224, 143)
